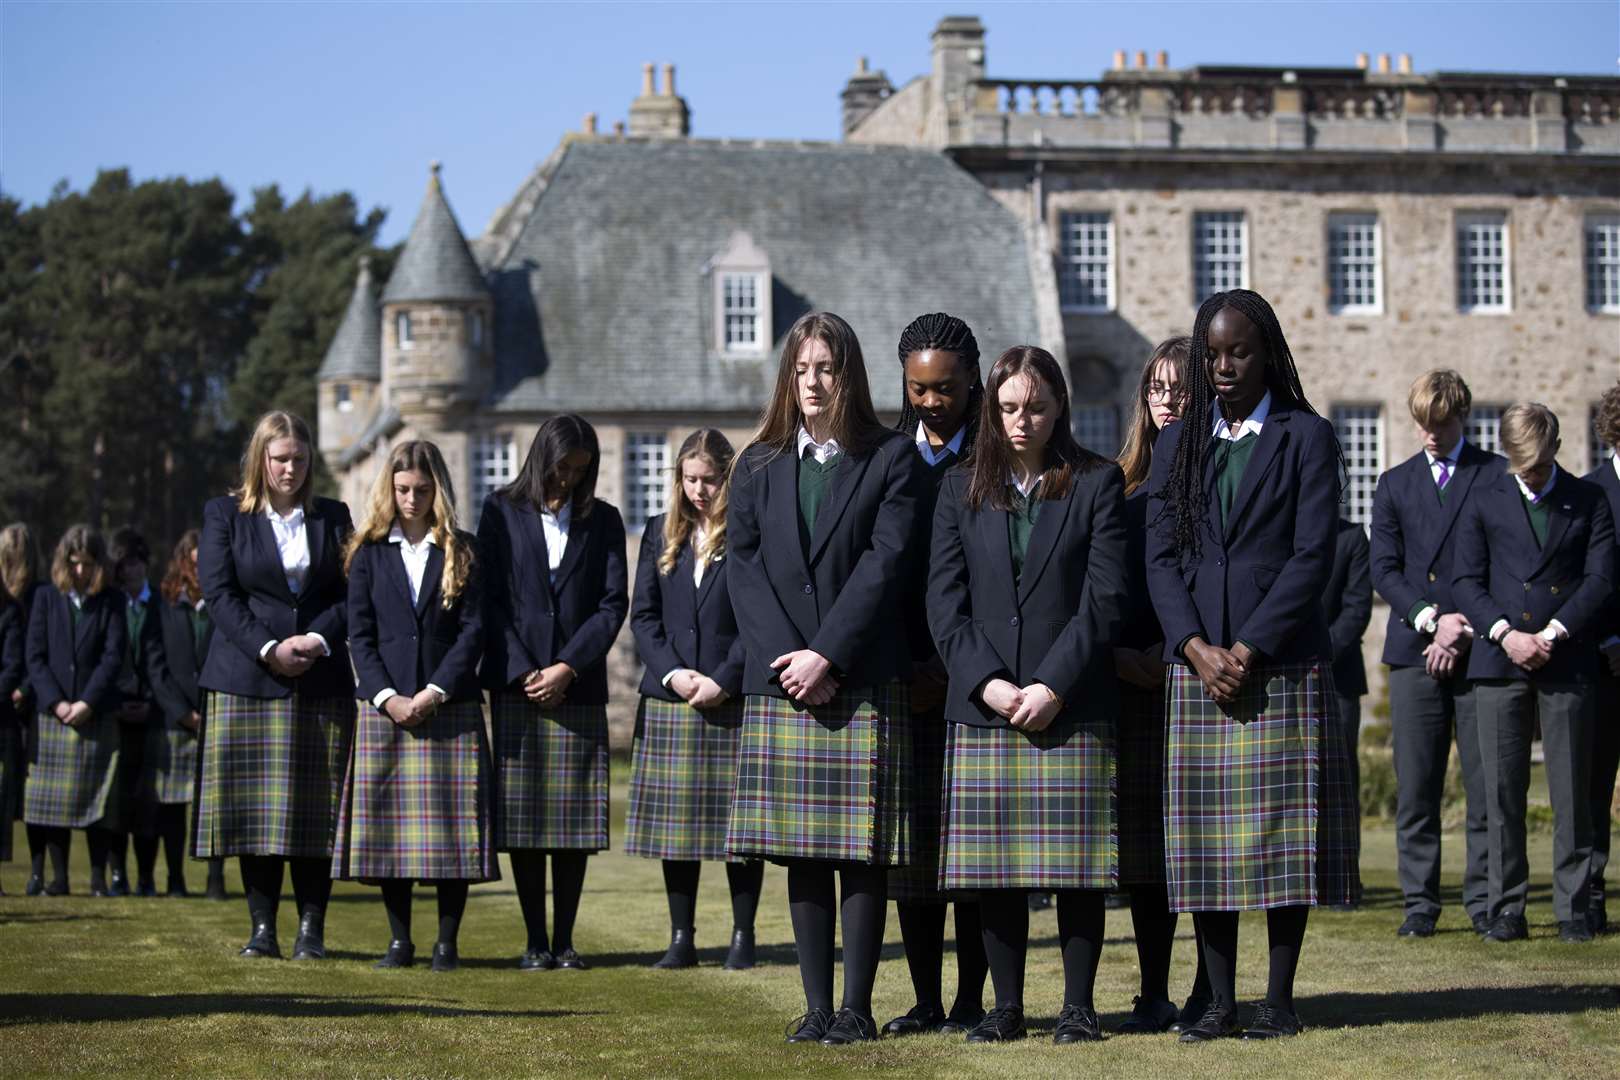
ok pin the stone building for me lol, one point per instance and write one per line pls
(1398, 221)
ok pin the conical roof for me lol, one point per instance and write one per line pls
(356, 348)
(435, 264)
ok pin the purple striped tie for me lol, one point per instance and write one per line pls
(1445, 474)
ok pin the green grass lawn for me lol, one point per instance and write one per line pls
(153, 987)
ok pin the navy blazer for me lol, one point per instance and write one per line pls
(1413, 545)
(1056, 623)
(138, 678)
(921, 638)
(1139, 623)
(1261, 575)
(68, 664)
(239, 569)
(1604, 477)
(177, 691)
(11, 652)
(532, 622)
(1502, 574)
(843, 597)
(1347, 608)
(681, 625)
(25, 609)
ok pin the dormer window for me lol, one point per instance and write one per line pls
(739, 301)
(742, 298)
(402, 330)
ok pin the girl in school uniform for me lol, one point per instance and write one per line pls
(13, 676)
(171, 744)
(819, 538)
(1139, 663)
(1025, 588)
(416, 801)
(137, 680)
(76, 641)
(279, 703)
(939, 363)
(19, 569)
(556, 596)
(1243, 502)
(684, 762)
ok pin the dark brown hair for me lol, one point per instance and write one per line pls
(850, 416)
(556, 438)
(993, 454)
(86, 541)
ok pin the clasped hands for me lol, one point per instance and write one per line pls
(409, 712)
(73, 713)
(805, 675)
(697, 689)
(293, 656)
(1222, 671)
(1453, 636)
(1529, 651)
(549, 685)
(1031, 708)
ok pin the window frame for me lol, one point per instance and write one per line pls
(1488, 439)
(1361, 477)
(404, 334)
(1243, 235)
(1590, 224)
(643, 503)
(480, 485)
(1084, 415)
(1464, 219)
(761, 283)
(1068, 261)
(1336, 219)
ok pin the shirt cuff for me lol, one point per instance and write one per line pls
(326, 650)
(667, 679)
(1554, 631)
(1425, 620)
(443, 697)
(383, 696)
(1499, 630)
(264, 650)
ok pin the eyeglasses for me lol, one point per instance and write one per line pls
(1158, 391)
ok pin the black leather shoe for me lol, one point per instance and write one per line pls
(921, 1020)
(1597, 912)
(1149, 1017)
(1481, 921)
(682, 952)
(960, 1021)
(810, 1027)
(1004, 1023)
(117, 884)
(1271, 1022)
(445, 956)
(849, 1026)
(178, 888)
(1508, 928)
(1076, 1023)
(146, 889)
(98, 886)
(35, 886)
(1417, 925)
(1191, 1012)
(1574, 932)
(57, 888)
(1218, 1022)
(310, 944)
(569, 960)
(1040, 901)
(537, 960)
(262, 945)
(400, 954)
(740, 957)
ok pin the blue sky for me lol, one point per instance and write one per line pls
(361, 96)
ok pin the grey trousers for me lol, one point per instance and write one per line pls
(1426, 716)
(1349, 717)
(1508, 711)
(1605, 764)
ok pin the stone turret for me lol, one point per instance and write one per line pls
(659, 115)
(346, 384)
(865, 91)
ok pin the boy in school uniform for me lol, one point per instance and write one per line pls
(1534, 572)
(1606, 742)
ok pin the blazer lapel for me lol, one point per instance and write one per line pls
(315, 534)
(845, 479)
(536, 534)
(264, 537)
(997, 544)
(1511, 517)
(394, 571)
(710, 572)
(1457, 489)
(1272, 434)
(87, 617)
(1560, 512)
(432, 579)
(579, 533)
(1042, 539)
(782, 511)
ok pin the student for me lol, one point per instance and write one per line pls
(19, 569)
(1258, 811)
(1025, 587)
(280, 691)
(1416, 507)
(819, 534)
(684, 759)
(1535, 570)
(1139, 663)
(1346, 609)
(555, 596)
(137, 715)
(943, 395)
(76, 641)
(416, 799)
(1606, 740)
(171, 743)
(13, 631)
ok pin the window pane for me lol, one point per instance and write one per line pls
(646, 479)
(1361, 437)
(1482, 262)
(1096, 427)
(1085, 255)
(1353, 262)
(1217, 253)
(1484, 427)
(1603, 262)
(494, 463)
(740, 311)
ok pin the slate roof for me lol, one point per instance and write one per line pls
(435, 264)
(603, 301)
(356, 348)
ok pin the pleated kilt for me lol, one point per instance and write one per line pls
(830, 783)
(683, 770)
(1259, 811)
(551, 775)
(11, 774)
(417, 802)
(73, 774)
(1030, 810)
(271, 775)
(1141, 785)
(918, 881)
(169, 772)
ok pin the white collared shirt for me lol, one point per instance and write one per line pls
(1251, 425)
(75, 599)
(1450, 459)
(415, 557)
(1536, 496)
(1024, 488)
(926, 448)
(292, 544)
(555, 528)
(1614, 459)
(699, 564)
(822, 451)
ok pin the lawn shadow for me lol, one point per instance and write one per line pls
(32, 917)
(1347, 1009)
(91, 1008)
(714, 956)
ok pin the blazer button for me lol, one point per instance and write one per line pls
(1555, 590)
(1432, 577)
(808, 588)
(1013, 621)
(1526, 616)
(1527, 586)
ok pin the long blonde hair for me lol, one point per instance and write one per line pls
(252, 493)
(417, 455)
(80, 540)
(704, 444)
(1136, 456)
(19, 560)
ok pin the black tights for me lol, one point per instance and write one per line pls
(106, 853)
(171, 831)
(397, 902)
(261, 876)
(1155, 926)
(681, 886)
(815, 910)
(1081, 920)
(567, 882)
(1285, 931)
(49, 840)
(922, 929)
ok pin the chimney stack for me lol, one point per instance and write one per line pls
(669, 80)
(659, 116)
(1162, 60)
(1361, 61)
(618, 129)
(1383, 63)
(590, 123)
(1141, 58)
(1405, 64)
(646, 80)
(1119, 59)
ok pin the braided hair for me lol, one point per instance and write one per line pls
(943, 333)
(1186, 499)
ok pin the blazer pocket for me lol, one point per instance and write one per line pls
(1265, 577)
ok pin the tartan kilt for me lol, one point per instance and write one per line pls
(1030, 810)
(830, 783)
(11, 775)
(271, 775)
(918, 881)
(551, 775)
(417, 801)
(73, 774)
(1259, 811)
(683, 769)
(1141, 786)
(169, 772)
